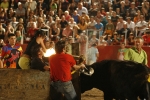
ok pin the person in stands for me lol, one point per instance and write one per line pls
(11, 52)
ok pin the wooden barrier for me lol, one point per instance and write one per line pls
(17, 84)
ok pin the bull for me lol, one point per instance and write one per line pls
(120, 80)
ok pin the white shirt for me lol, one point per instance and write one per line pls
(72, 24)
(140, 24)
(32, 5)
(79, 11)
(92, 23)
(131, 25)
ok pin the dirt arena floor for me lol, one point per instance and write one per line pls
(93, 94)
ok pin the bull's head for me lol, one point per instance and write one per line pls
(86, 78)
(87, 71)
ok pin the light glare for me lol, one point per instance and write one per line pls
(49, 52)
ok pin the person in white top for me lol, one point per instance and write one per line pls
(50, 21)
(130, 24)
(72, 23)
(31, 4)
(92, 54)
(92, 23)
(80, 9)
(141, 26)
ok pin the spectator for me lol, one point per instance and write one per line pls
(146, 37)
(54, 32)
(83, 40)
(76, 16)
(63, 24)
(50, 21)
(125, 31)
(102, 42)
(145, 9)
(5, 4)
(136, 53)
(3, 18)
(109, 40)
(99, 27)
(67, 16)
(20, 12)
(11, 13)
(9, 30)
(13, 22)
(93, 40)
(132, 10)
(18, 37)
(121, 51)
(115, 39)
(2, 32)
(93, 11)
(67, 31)
(109, 28)
(85, 16)
(64, 6)
(37, 59)
(83, 25)
(11, 52)
(13, 4)
(130, 24)
(141, 26)
(72, 23)
(120, 24)
(92, 54)
(31, 30)
(80, 9)
(130, 40)
(137, 17)
(114, 18)
(31, 4)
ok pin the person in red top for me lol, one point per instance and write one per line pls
(61, 65)
(146, 37)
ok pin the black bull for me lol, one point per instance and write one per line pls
(118, 79)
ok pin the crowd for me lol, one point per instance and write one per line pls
(87, 22)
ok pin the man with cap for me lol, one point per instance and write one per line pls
(20, 12)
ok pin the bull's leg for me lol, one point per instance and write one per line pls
(145, 92)
(108, 95)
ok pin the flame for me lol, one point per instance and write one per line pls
(49, 52)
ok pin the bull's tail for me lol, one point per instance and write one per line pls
(148, 90)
